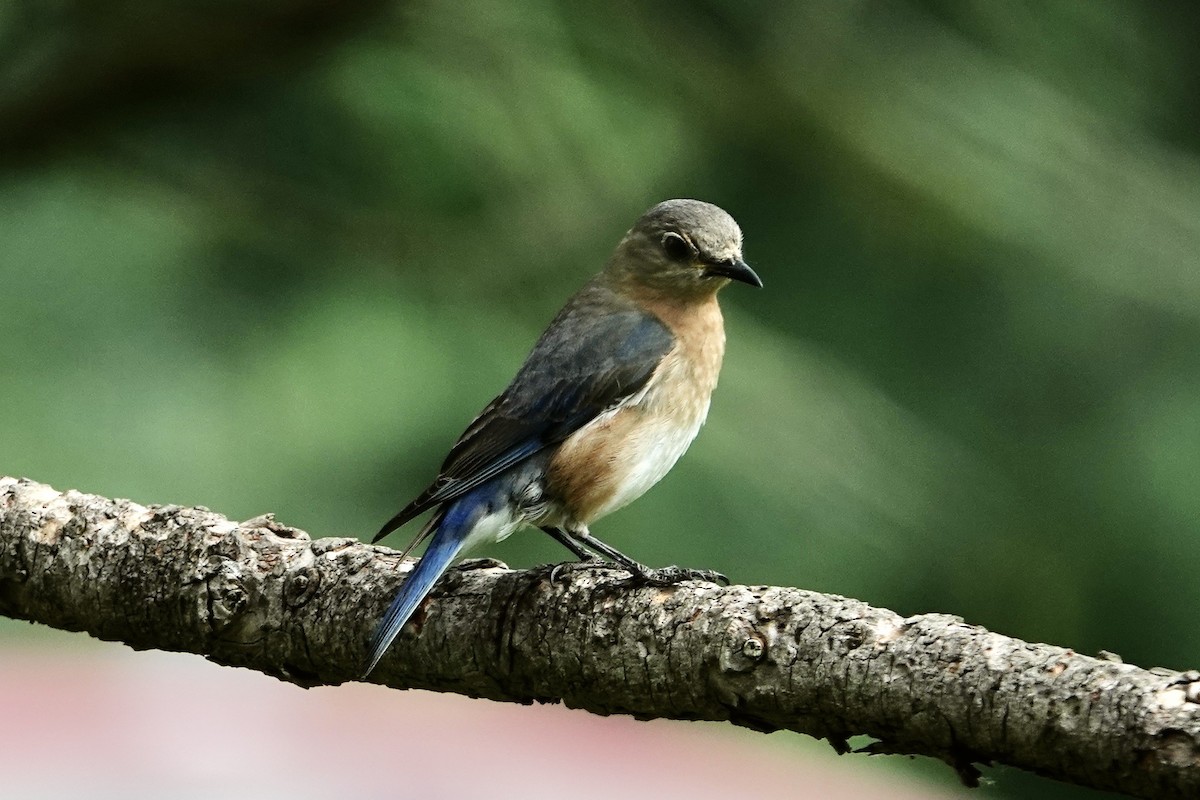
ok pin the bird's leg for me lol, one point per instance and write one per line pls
(586, 559)
(563, 538)
(660, 577)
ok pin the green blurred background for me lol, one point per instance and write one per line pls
(273, 257)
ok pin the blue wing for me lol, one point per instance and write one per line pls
(599, 350)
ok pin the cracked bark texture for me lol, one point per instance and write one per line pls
(261, 595)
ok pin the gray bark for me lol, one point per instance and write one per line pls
(261, 595)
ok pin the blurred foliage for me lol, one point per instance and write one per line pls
(275, 258)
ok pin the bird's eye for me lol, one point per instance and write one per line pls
(677, 248)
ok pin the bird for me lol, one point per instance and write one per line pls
(611, 395)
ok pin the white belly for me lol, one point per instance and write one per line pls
(494, 527)
(615, 458)
(649, 455)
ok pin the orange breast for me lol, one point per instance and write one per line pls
(614, 459)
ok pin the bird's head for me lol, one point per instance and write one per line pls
(683, 246)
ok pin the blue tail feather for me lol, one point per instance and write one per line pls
(447, 542)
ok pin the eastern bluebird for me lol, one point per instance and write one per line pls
(611, 396)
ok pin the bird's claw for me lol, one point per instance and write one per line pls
(663, 576)
(469, 564)
(591, 562)
(669, 576)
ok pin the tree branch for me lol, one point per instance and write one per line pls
(262, 595)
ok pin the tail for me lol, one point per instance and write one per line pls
(448, 540)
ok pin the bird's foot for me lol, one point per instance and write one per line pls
(469, 564)
(669, 576)
(591, 562)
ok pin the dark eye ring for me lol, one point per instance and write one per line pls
(677, 248)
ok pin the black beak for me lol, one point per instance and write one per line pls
(735, 270)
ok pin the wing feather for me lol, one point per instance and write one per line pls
(597, 352)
